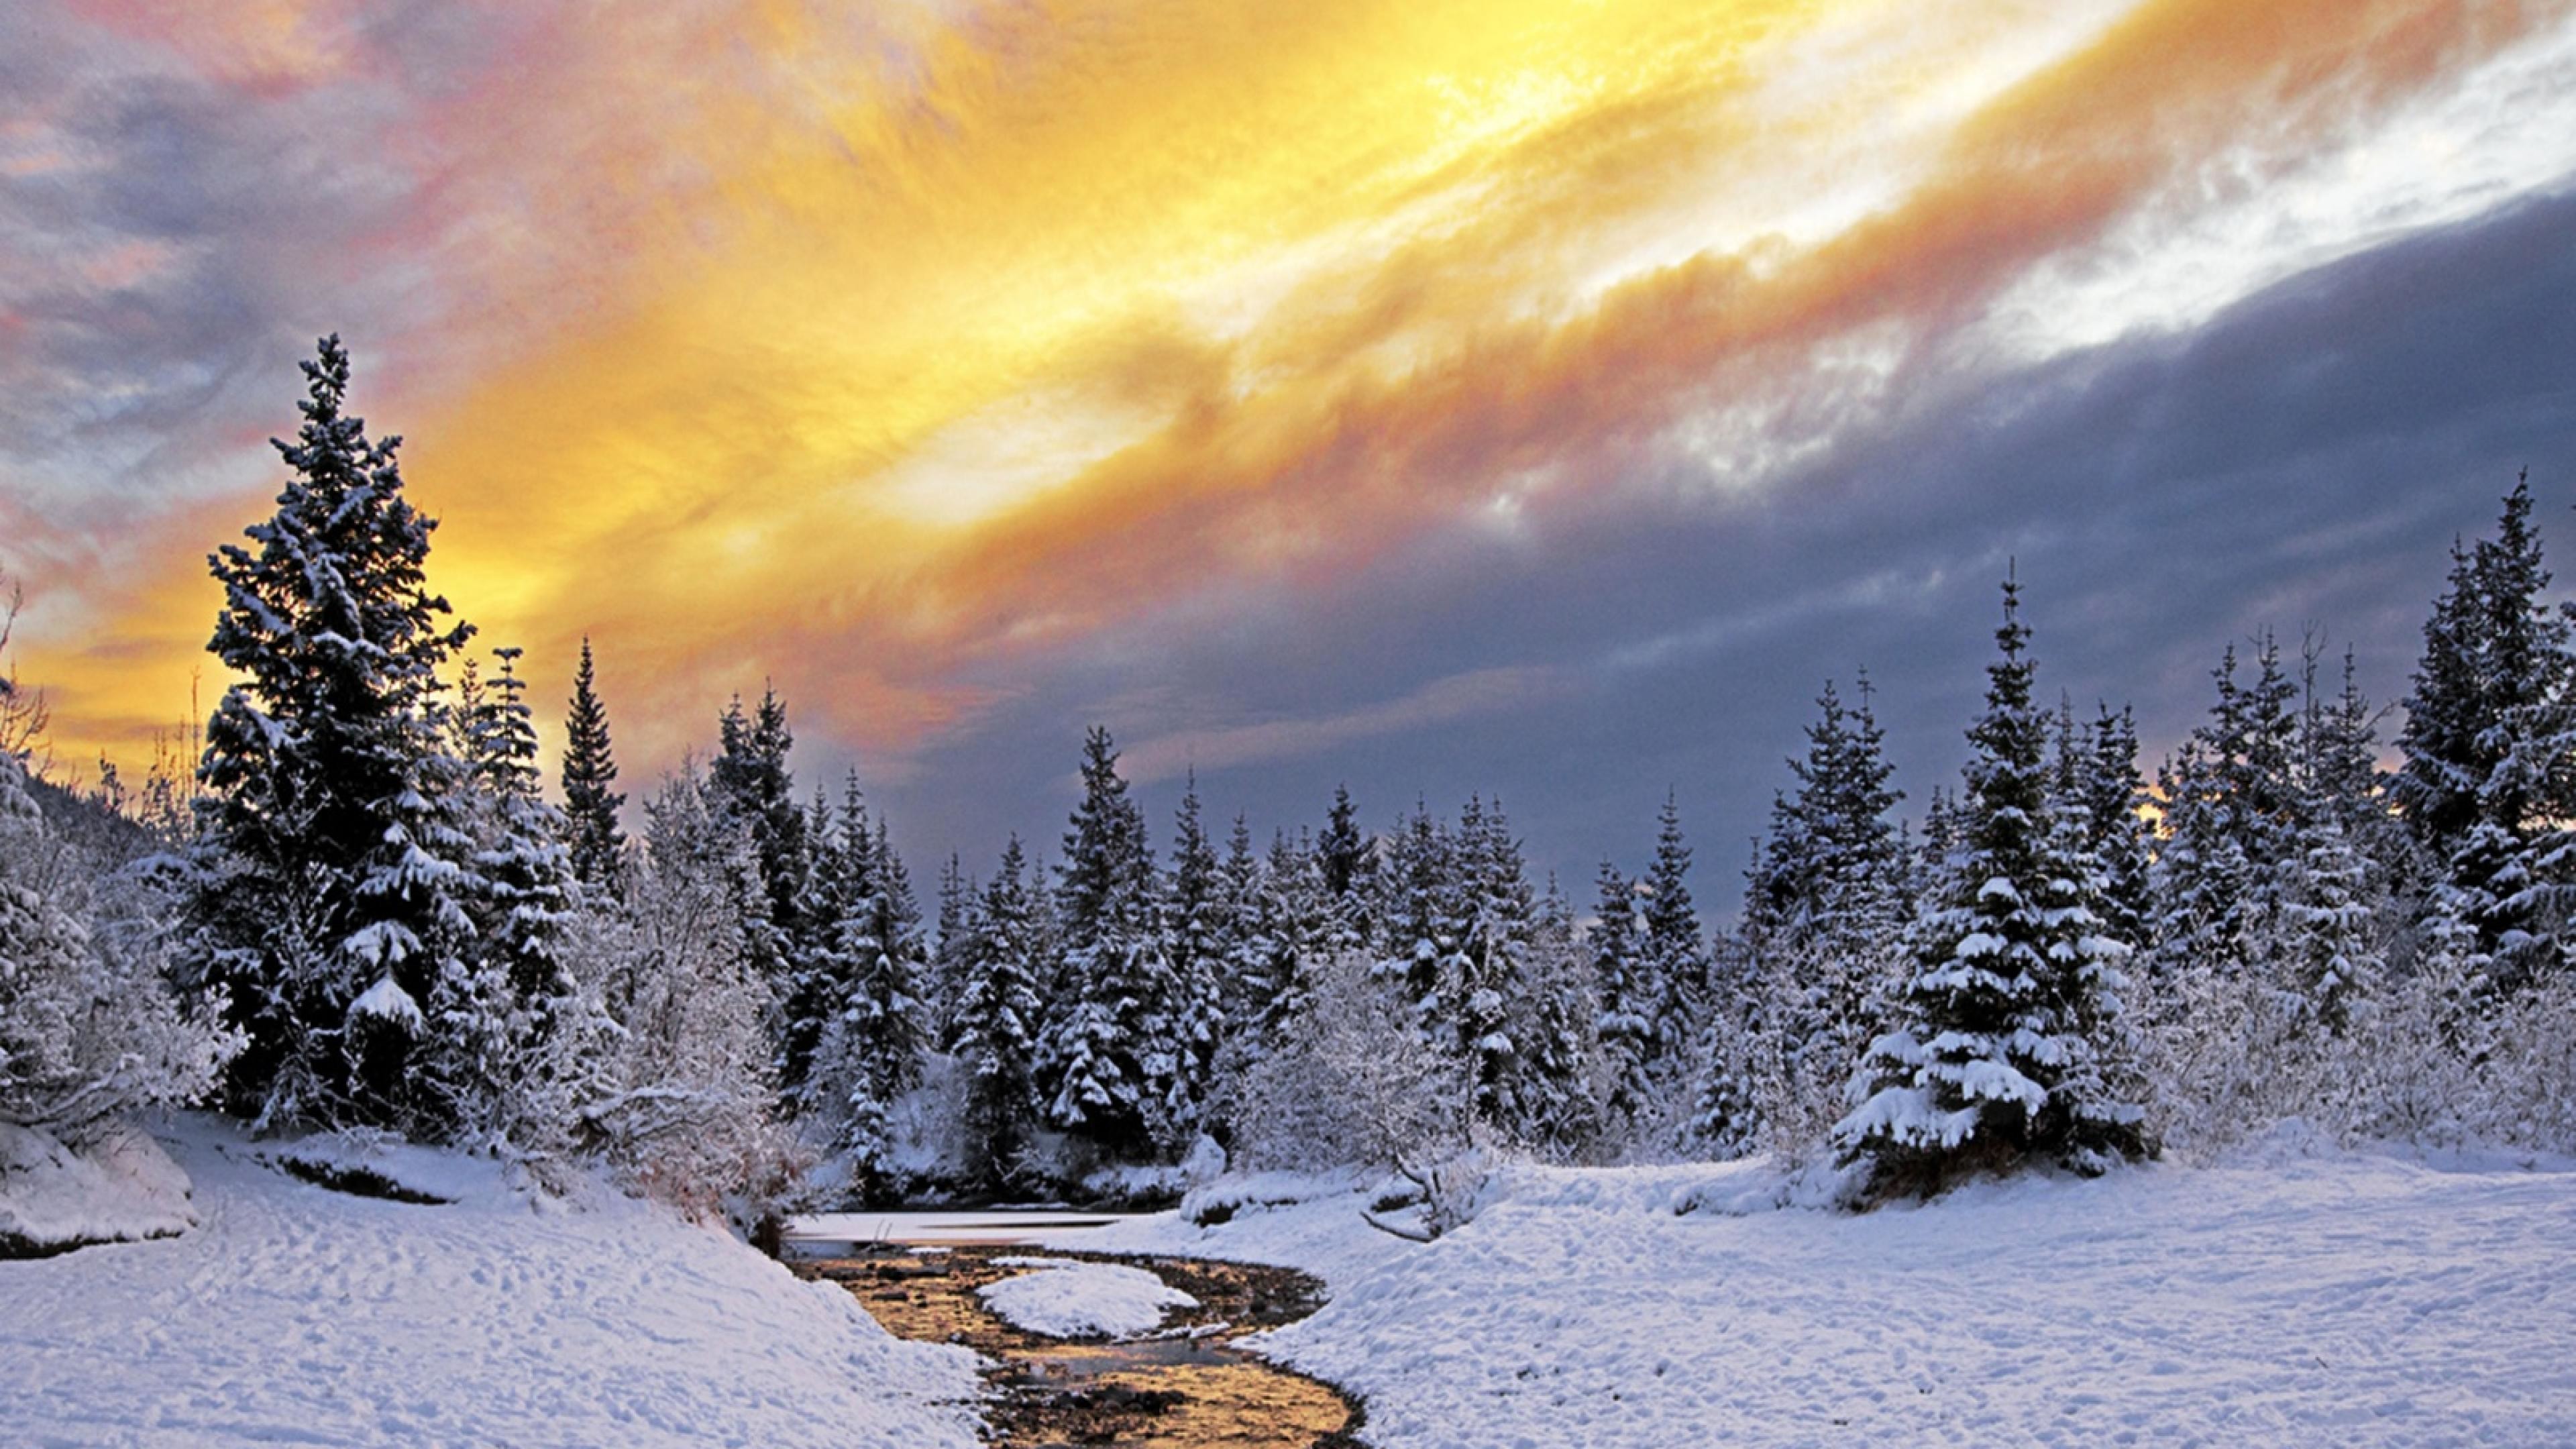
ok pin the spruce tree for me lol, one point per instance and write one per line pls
(1196, 923)
(1626, 1029)
(1676, 954)
(1104, 1073)
(2112, 789)
(1551, 1019)
(1349, 867)
(1827, 896)
(332, 879)
(1420, 917)
(754, 792)
(1296, 928)
(997, 1018)
(495, 1008)
(1998, 1053)
(2488, 781)
(1490, 971)
(589, 775)
(957, 906)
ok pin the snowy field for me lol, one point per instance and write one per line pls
(294, 1314)
(2309, 1301)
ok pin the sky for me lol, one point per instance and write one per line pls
(1539, 400)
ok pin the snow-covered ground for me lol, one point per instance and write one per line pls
(1066, 1299)
(2333, 1299)
(296, 1314)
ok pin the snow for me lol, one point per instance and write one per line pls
(121, 1188)
(1064, 1299)
(1001, 1226)
(2312, 1300)
(385, 1000)
(294, 1313)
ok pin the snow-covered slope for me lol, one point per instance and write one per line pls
(2338, 1300)
(301, 1315)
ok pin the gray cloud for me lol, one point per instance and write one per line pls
(2306, 459)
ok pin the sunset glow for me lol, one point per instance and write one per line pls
(877, 352)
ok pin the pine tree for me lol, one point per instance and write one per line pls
(756, 792)
(957, 906)
(1551, 1018)
(589, 772)
(331, 871)
(494, 1008)
(1826, 899)
(1998, 1054)
(869, 971)
(1244, 987)
(1420, 917)
(997, 1018)
(1490, 969)
(2112, 790)
(1628, 1033)
(1196, 923)
(1349, 869)
(1296, 928)
(2488, 781)
(1676, 953)
(1103, 1072)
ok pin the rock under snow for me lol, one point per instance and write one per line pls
(120, 1188)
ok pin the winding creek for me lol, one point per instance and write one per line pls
(1186, 1386)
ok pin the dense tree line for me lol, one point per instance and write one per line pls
(371, 915)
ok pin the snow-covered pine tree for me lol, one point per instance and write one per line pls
(819, 971)
(753, 788)
(494, 1008)
(1824, 907)
(871, 966)
(957, 905)
(1676, 953)
(1998, 1054)
(1196, 926)
(331, 877)
(2231, 803)
(1420, 918)
(1627, 1031)
(589, 775)
(1102, 1070)
(2487, 781)
(996, 1020)
(1551, 1017)
(1297, 926)
(1515, 1089)
(2112, 789)
(1244, 987)
(1349, 867)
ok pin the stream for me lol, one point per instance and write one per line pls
(1187, 1386)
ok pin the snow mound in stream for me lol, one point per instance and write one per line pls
(1065, 1299)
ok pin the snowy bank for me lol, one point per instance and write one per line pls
(295, 1312)
(2341, 1299)
(1064, 1299)
(120, 1188)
